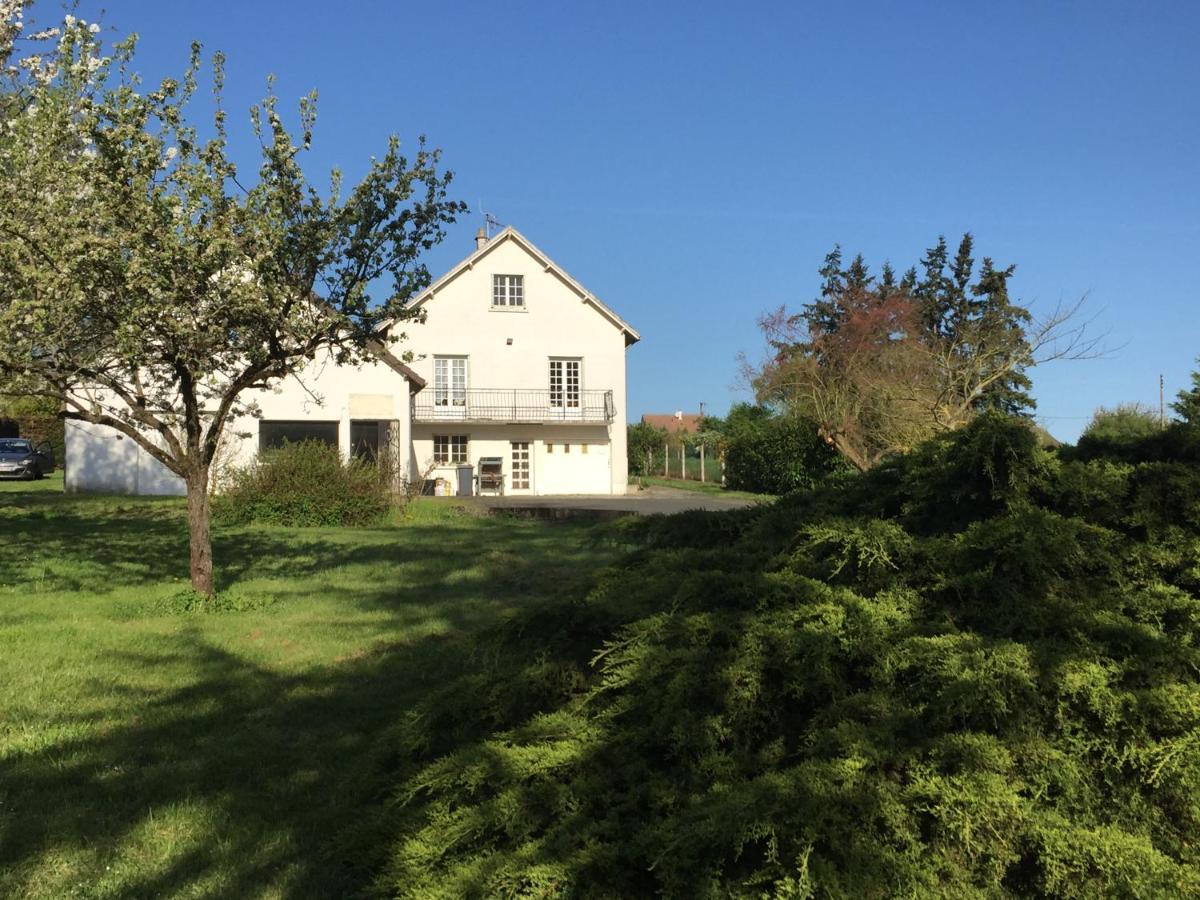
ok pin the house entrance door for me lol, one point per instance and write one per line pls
(520, 479)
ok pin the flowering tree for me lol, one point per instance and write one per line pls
(148, 285)
(880, 364)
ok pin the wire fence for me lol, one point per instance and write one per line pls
(668, 462)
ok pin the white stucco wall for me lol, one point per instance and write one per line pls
(325, 392)
(559, 462)
(511, 348)
(101, 460)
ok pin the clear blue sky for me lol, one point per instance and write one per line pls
(691, 163)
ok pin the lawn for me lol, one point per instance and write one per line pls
(700, 487)
(148, 748)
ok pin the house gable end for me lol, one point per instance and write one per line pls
(511, 237)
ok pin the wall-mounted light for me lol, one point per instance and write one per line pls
(509, 342)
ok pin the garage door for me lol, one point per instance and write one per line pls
(573, 468)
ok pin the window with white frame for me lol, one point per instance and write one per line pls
(450, 381)
(449, 449)
(565, 379)
(508, 291)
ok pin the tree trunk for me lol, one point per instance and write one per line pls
(199, 533)
(844, 447)
(855, 458)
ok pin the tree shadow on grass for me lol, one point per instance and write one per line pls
(277, 764)
(103, 545)
(269, 778)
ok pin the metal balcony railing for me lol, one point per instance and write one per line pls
(513, 405)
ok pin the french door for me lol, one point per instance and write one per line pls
(565, 379)
(450, 383)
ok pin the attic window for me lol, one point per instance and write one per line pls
(508, 290)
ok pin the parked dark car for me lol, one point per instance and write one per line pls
(21, 458)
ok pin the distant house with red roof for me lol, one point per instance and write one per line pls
(674, 423)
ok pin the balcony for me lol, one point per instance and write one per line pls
(513, 406)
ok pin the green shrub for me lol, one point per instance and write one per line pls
(1096, 490)
(972, 672)
(1117, 433)
(306, 485)
(188, 601)
(1166, 495)
(964, 476)
(644, 444)
(775, 455)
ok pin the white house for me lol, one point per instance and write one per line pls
(520, 372)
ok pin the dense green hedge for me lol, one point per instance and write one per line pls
(972, 672)
(770, 454)
(305, 484)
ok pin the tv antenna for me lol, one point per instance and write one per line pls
(489, 221)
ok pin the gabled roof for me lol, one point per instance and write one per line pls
(385, 356)
(674, 424)
(380, 351)
(511, 234)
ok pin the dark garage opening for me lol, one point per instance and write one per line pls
(273, 435)
(367, 436)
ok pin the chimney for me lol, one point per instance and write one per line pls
(679, 414)
(481, 238)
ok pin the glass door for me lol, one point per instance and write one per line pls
(565, 384)
(450, 385)
(521, 480)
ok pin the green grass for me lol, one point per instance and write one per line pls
(152, 748)
(700, 487)
(51, 484)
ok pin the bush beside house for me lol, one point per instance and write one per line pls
(306, 484)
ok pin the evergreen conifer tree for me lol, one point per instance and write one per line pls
(1009, 394)
(1187, 406)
